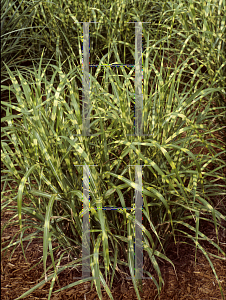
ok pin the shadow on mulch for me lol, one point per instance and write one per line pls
(192, 281)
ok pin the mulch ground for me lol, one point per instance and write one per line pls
(193, 281)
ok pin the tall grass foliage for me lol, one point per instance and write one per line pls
(42, 142)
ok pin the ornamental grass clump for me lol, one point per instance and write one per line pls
(44, 151)
(47, 141)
